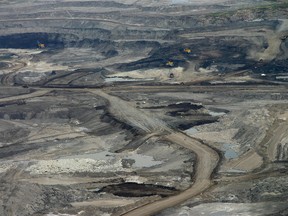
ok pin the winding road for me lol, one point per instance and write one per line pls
(207, 158)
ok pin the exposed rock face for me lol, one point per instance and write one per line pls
(115, 35)
(101, 100)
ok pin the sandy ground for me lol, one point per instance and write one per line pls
(71, 156)
(246, 163)
(105, 203)
(124, 111)
(207, 158)
(230, 209)
(279, 135)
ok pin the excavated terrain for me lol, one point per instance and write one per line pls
(125, 107)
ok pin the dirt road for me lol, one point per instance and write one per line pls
(25, 96)
(207, 161)
(207, 158)
(126, 112)
(279, 133)
(247, 162)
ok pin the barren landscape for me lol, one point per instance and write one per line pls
(137, 108)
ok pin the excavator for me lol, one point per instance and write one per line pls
(170, 63)
(40, 45)
(187, 50)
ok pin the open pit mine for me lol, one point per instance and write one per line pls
(142, 108)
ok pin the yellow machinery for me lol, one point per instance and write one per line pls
(170, 63)
(187, 50)
(40, 45)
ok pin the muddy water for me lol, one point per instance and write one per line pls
(139, 160)
(138, 190)
(230, 153)
(143, 161)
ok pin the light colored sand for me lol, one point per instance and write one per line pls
(104, 203)
(73, 165)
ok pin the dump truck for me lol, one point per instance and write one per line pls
(40, 45)
(187, 50)
(170, 63)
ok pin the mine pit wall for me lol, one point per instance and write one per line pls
(96, 30)
(51, 40)
(83, 29)
(113, 40)
(106, 47)
(83, 36)
(88, 28)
